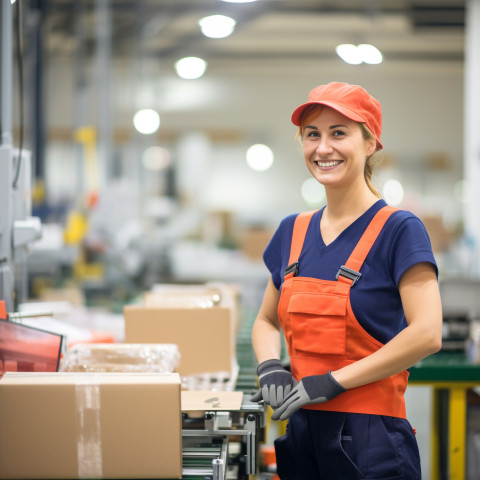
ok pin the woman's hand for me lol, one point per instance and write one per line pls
(310, 390)
(275, 383)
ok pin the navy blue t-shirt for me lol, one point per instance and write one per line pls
(375, 299)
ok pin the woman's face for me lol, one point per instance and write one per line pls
(335, 149)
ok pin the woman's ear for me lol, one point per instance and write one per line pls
(372, 146)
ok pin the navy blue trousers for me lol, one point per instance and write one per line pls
(322, 445)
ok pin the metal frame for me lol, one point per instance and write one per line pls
(219, 427)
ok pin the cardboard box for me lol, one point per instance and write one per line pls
(205, 336)
(90, 425)
(202, 295)
(201, 401)
(441, 237)
(191, 296)
(253, 242)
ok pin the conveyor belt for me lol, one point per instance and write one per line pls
(205, 458)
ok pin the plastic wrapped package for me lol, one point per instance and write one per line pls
(121, 357)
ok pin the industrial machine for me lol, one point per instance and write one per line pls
(223, 445)
(461, 312)
(17, 228)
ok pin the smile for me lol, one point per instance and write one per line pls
(328, 164)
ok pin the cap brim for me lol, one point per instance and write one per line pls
(297, 113)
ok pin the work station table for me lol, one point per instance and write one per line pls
(451, 376)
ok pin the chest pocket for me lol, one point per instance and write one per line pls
(318, 323)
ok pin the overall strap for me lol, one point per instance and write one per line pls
(349, 273)
(300, 228)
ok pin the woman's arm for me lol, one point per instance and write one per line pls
(266, 329)
(423, 336)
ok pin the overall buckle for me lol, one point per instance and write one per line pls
(349, 273)
(291, 268)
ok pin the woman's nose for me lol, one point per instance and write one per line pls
(324, 147)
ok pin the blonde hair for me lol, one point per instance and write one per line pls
(313, 110)
(369, 161)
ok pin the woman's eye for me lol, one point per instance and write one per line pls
(338, 133)
(311, 133)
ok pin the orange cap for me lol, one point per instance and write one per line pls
(350, 100)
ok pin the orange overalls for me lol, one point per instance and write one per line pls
(322, 333)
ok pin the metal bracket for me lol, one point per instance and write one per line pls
(349, 273)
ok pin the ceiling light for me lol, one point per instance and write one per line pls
(393, 192)
(349, 53)
(239, 1)
(357, 54)
(190, 67)
(259, 157)
(313, 192)
(370, 54)
(146, 121)
(217, 26)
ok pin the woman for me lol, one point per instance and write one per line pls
(354, 288)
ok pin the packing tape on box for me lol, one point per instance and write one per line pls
(89, 439)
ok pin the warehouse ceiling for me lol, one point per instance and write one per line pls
(414, 30)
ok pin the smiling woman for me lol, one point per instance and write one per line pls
(354, 288)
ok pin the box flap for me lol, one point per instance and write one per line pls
(194, 401)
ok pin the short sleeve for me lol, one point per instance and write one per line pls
(410, 245)
(277, 252)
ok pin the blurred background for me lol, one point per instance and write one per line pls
(155, 199)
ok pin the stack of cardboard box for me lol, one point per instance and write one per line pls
(110, 413)
(201, 319)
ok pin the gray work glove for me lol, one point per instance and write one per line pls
(275, 383)
(310, 390)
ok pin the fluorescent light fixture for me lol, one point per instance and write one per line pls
(217, 26)
(357, 54)
(259, 157)
(313, 192)
(393, 192)
(370, 54)
(239, 1)
(146, 121)
(349, 53)
(190, 67)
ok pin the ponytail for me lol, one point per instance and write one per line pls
(369, 162)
